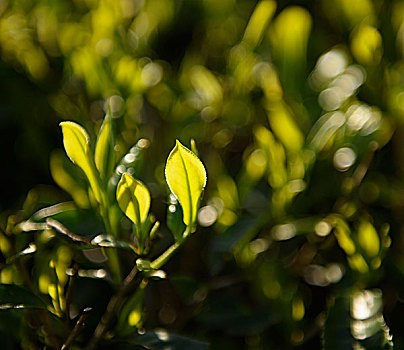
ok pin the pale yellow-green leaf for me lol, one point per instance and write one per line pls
(77, 146)
(284, 127)
(256, 164)
(358, 263)
(259, 20)
(228, 192)
(133, 198)
(289, 35)
(206, 85)
(367, 45)
(65, 180)
(186, 177)
(104, 149)
(275, 155)
(368, 239)
(76, 142)
(343, 235)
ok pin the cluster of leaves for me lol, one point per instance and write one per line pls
(186, 178)
(297, 112)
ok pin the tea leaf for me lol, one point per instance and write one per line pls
(259, 20)
(131, 162)
(161, 339)
(104, 149)
(336, 332)
(15, 297)
(131, 314)
(77, 145)
(174, 220)
(67, 176)
(368, 239)
(186, 177)
(133, 199)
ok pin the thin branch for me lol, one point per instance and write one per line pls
(98, 241)
(363, 167)
(29, 250)
(56, 225)
(117, 299)
(52, 210)
(79, 325)
(113, 305)
(70, 289)
(163, 258)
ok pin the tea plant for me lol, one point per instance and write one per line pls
(297, 110)
(113, 201)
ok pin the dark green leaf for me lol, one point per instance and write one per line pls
(226, 312)
(83, 222)
(161, 340)
(337, 333)
(174, 220)
(131, 315)
(223, 245)
(16, 297)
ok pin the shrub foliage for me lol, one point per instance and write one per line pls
(275, 221)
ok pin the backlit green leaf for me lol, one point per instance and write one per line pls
(77, 146)
(131, 162)
(67, 176)
(131, 314)
(186, 177)
(259, 20)
(76, 142)
(368, 239)
(343, 234)
(133, 199)
(284, 127)
(104, 149)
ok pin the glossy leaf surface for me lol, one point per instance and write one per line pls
(104, 149)
(368, 239)
(77, 145)
(133, 198)
(186, 177)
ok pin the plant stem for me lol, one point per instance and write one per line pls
(163, 258)
(112, 307)
(79, 325)
(117, 299)
(111, 253)
(113, 260)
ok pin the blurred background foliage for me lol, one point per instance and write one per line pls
(297, 111)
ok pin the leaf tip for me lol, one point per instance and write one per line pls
(124, 177)
(66, 125)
